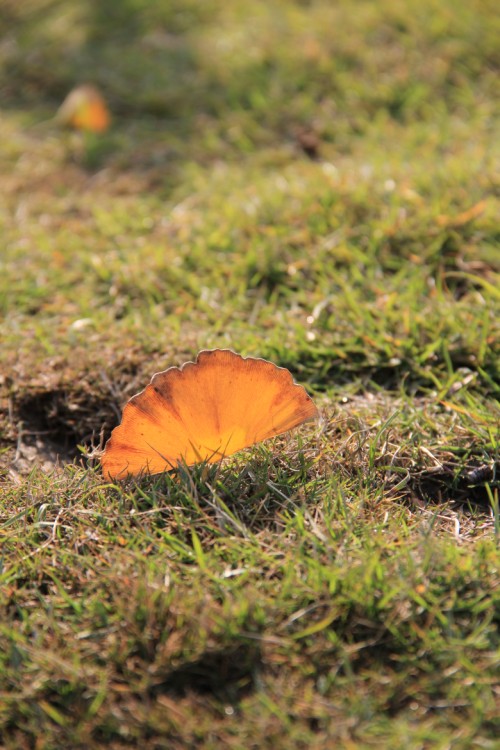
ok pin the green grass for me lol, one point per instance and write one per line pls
(314, 183)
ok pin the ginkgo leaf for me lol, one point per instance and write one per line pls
(85, 109)
(204, 411)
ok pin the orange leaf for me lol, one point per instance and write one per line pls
(204, 411)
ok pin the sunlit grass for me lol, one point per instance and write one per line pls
(315, 183)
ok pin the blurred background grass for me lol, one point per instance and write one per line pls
(268, 65)
(268, 164)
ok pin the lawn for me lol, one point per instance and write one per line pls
(315, 183)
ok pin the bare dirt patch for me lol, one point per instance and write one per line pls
(55, 417)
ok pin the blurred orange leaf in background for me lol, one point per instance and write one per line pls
(85, 109)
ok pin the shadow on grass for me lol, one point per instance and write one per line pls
(90, 40)
(473, 486)
(226, 674)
